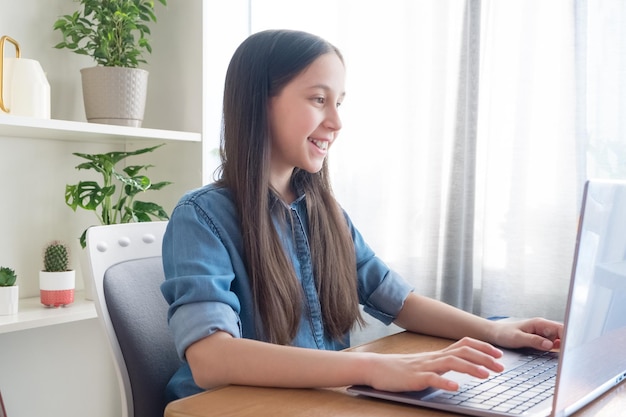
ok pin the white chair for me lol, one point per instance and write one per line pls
(127, 271)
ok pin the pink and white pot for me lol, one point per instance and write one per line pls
(56, 289)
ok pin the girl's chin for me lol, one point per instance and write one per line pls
(313, 165)
(312, 169)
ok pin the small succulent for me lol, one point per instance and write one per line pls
(56, 257)
(7, 277)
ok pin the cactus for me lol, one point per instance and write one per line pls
(56, 257)
(7, 277)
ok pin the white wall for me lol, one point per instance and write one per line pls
(62, 370)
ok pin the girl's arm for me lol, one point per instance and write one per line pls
(428, 316)
(221, 359)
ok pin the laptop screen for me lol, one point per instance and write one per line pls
(594, 357)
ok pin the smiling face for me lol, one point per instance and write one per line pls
(304, 119)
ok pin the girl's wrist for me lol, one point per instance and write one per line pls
(362, 365)
(492, 331)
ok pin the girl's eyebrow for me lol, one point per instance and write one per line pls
(326, 88)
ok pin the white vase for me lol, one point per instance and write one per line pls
(9, 300)
(26, 89)
(57, 288)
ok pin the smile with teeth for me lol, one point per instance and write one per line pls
(322, 144)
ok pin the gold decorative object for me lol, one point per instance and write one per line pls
(24, 88)
(5, 38)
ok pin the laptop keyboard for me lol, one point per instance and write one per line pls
(512, 391)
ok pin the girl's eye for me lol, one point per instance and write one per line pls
(322, 101)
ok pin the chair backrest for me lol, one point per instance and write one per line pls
(127, 271)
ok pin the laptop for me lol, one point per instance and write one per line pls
(592, 358)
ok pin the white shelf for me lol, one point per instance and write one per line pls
(32, 314)
(30, 127)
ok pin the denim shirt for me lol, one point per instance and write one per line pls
(208, 288)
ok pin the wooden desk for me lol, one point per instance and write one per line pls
(243, 401)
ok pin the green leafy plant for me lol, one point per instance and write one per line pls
(111, 205)
(113, 32)
(7, 277)
(56, 257)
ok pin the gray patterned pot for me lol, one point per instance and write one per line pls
(115, 95)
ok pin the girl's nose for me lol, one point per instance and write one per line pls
(333, 121)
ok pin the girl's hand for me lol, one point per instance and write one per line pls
(537, 333)
(414, 372)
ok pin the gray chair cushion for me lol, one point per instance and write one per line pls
(139, 316)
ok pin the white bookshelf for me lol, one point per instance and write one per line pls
(42, 346)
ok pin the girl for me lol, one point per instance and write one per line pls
(265, 272)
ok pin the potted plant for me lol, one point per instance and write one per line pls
(9, 292)
(115, 34)
(113, 200)
(56, 280)
(110, 204)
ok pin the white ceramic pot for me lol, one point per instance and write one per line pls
(57, 288)
(9, 300)
(114, 95)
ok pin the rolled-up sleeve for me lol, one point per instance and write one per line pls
(199, 273)
(382, 292)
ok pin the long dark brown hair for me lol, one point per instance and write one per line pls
(262, 65)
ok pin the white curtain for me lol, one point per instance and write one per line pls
(462, 156)
(529, 193)
(602, 80)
